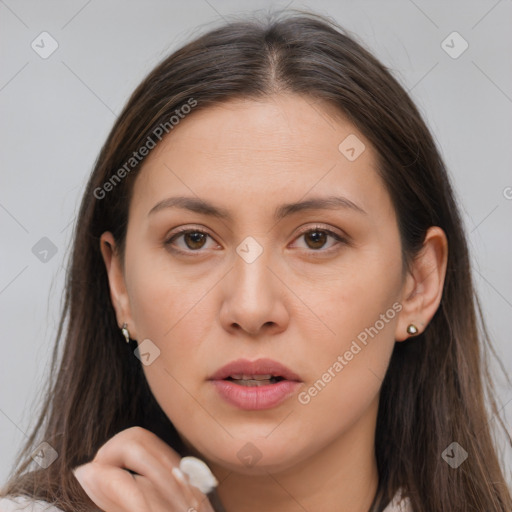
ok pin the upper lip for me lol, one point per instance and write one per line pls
(254, 368)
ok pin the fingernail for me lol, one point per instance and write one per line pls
(179, 475)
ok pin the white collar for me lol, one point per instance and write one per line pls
(399, 503)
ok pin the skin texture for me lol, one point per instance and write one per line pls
(300, 302)
(153, 487)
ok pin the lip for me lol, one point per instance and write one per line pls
(255, 397)
(257, 367)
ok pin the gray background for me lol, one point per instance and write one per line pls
(56, 112)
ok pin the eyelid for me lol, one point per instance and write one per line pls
(183, 230)
(323, 227)
(341, 238)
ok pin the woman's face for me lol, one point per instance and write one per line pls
(266, 280)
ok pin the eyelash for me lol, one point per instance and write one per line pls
(182, 231)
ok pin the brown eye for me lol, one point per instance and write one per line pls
(193, 240)
(317, 238)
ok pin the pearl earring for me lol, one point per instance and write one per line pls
(412, 329)
(126, 333)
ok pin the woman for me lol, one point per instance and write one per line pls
(271, 229)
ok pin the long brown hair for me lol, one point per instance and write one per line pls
(437, 386)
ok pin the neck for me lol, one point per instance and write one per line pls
(342, 476)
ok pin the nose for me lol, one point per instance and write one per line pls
(254, 297)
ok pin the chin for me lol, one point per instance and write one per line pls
(261, 468)
(254, 455)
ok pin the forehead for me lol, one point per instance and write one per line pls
(287, 125)
(248, 150)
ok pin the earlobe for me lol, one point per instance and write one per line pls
(118, 292)
(423, 286)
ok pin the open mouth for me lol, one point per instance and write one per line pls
(254, 380)
(255, 385)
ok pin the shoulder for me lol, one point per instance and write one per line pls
(25, 504)
(399, 503)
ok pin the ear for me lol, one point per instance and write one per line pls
(423, 285)
(118, 292)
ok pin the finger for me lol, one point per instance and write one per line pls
(113, 451)
(204, 502)
(192, 493)
(81, 473)
(116, 490)
(113, 481)
(186, 488)
(145, 453)
(125, 448)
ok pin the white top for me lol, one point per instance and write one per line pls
(398, 504)
(26, 504)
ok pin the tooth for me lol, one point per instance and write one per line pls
(255, 382)
(252, 383)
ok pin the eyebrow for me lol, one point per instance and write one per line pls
(206, 208)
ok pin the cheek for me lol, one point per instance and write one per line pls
(176, 316)
(334, 314)
(163, 298)
(174, 312)
(357, 297)
(347, 374)
(349, 361)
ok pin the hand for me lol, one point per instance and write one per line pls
(153, 487)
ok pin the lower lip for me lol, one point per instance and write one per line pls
(255, 398)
